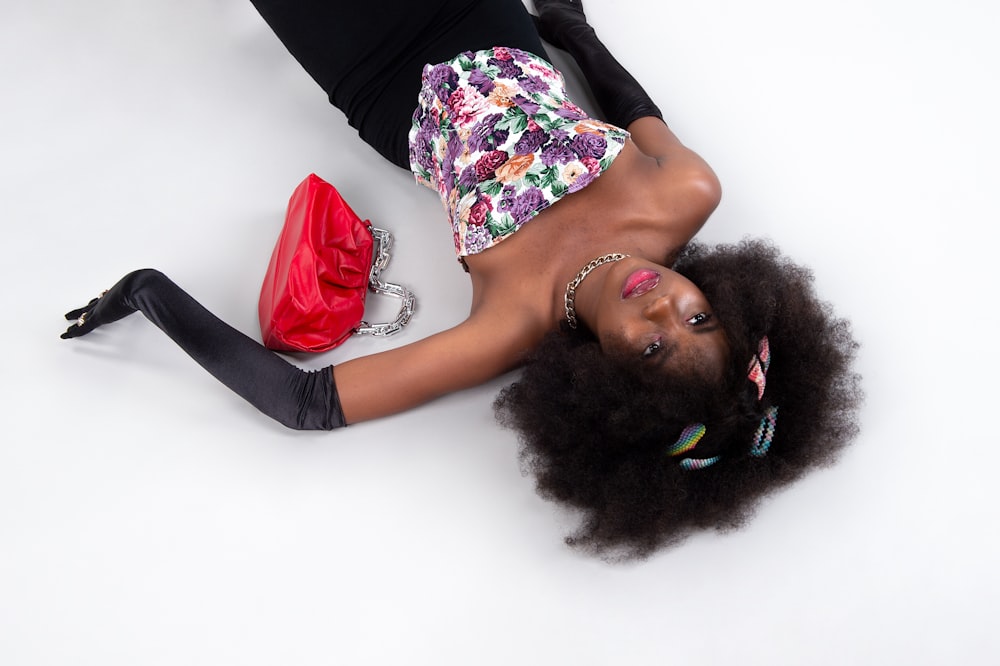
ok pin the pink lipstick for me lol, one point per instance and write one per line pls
(639, 282)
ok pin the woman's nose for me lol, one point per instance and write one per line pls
(658, 308)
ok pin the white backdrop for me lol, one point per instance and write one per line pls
(149, 516)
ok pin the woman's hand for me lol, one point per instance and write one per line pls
(81, 315)
(108, 307)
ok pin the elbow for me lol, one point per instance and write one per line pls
(309, 402)
(312, 420)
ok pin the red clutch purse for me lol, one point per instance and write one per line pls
(324, 263)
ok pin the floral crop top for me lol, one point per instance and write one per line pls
(497, 138)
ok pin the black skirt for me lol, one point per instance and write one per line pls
(368, 55)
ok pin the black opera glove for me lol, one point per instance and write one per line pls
(97, 312)
(563, 24)
(557, 18)
(294, 397)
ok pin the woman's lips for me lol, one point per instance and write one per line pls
(639, 282)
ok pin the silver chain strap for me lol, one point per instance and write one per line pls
(383, 243)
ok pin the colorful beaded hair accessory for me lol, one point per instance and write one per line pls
(765, 433)
(757, 372)
(692, 434)
(689, 439)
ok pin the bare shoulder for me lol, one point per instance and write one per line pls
(666, 179)
(674, 161)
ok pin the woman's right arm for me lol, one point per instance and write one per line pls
(477, 350)
(292, 396)
(365, 388)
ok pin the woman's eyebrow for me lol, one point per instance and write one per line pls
(710, 328)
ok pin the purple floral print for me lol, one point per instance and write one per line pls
(557, 152)
(581, 181)
(508, 68)
(497, 138)
(534, 84)
(485, 135)
(442, 79)
(468, 179)
(527, 105)
(526, 205)
(477, 239)
(589, 145)
(481, 82)
(530, 142)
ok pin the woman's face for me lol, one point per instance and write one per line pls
(660, 317)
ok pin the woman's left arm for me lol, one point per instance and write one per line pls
(652, 136)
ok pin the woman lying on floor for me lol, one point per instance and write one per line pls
(666, 386)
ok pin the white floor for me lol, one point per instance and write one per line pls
(148, 516)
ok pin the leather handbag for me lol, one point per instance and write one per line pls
(325, 262)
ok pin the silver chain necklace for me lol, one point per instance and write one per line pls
(569, 299)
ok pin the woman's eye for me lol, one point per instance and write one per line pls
(699, 319)
(652, 349)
